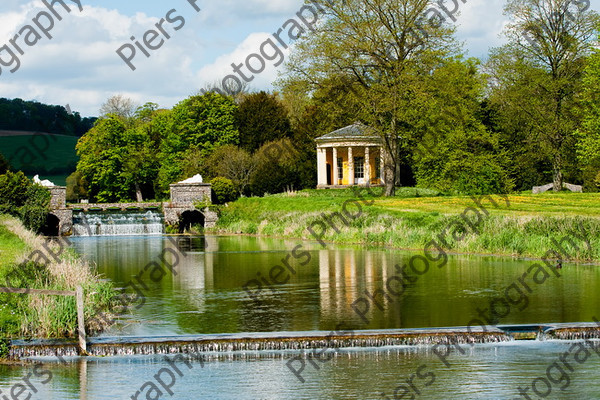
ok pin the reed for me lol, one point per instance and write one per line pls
(526, 228)
(43, 316)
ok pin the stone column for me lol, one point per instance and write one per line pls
(350, 167)
(381, 166)
(334, 168)
(322, 167)
(367, 167)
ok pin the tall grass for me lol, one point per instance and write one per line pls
(405, 222)
(41, 315)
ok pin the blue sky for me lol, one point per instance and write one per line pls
(79, 66)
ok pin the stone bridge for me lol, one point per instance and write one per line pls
(179, 211)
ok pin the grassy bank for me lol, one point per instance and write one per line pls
(524, 227)
(44, 316)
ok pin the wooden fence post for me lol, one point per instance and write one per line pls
(79, 295)
(81, 321)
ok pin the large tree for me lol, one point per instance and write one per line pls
(383, 50)
(261, 118)
(192, 130)
(119, 105)
(589, 146)
(536, 77)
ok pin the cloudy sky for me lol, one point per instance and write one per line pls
(80, 66)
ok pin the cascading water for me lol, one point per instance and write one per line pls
(115, 223)
(296, 341)
(251, 342)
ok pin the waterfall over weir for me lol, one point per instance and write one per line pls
(115, 223)
(249, 342)
(301, 341)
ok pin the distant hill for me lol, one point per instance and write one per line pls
(51, 156)
(32, 116)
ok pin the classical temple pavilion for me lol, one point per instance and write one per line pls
(349, 156)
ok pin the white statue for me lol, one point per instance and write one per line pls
(193, 179)
(45, 182)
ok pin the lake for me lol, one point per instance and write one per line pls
(328, 288)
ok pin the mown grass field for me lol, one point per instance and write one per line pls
(411, 219)
(53, 157)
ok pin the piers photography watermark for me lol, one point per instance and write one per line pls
(30, 34)
(153, 39)
(558, 374)
(487, 319)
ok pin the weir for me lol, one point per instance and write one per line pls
(130, 218)
(297, 341)
(118, 223)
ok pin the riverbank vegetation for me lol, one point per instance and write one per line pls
(24, 199)
(42, 316)
(413, 217)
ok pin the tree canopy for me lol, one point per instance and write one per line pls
(537, 77)
(382, 52)
(19, 115)
(261, 118)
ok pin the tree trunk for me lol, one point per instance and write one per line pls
(557, 176)
(389, 166)
(138, 193)
(398, 181)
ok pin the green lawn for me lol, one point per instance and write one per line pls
(11, 247)
(412, 218)
(428, 201)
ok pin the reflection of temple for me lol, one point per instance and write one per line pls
(344, 277)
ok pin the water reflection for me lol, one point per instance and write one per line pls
(207, 294)
(484, 372)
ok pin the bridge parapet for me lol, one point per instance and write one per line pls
(183, 195)
(113, 206)
(58, 197)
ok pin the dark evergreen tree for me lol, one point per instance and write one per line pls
(261, 118)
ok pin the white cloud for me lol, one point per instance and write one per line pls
(480, 25)
(222, 65)
(79, 66)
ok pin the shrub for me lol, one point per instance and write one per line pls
(223, 190)
(13, 188)
(4, 348)
(35, 210)
(276, 168)
(24, 200)
(76, 185)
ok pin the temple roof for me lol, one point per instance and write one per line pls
(354, 132)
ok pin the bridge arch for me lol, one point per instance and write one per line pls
(189, 218)
(52, 225)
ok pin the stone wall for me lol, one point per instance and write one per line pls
(65, 226)
(185, 194)
(545, 188)
(58, 197)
